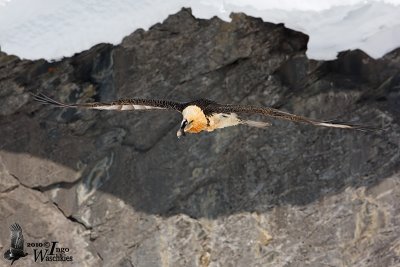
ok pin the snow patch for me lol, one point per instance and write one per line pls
(53, 29)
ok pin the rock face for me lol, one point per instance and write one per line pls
(119, 189)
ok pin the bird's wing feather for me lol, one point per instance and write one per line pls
(17, 239)
(122, 104)
(275, 113)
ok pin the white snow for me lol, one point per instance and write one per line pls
(52, 29)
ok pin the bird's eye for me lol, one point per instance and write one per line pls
(184, 123)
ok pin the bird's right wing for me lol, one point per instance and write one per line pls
(278, 114)
(17, 239)
(122, 104)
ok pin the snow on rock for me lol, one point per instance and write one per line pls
(52, 29)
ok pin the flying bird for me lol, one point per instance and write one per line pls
(16, 250)
(202, 114)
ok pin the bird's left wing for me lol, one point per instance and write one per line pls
(122, 104)
(17, 239)
(275, 113)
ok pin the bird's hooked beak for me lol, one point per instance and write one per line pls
(181, 131)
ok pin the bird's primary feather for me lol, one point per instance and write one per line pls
(122, 104)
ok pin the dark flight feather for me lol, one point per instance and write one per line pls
(122, 104)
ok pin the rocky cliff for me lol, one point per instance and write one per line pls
(119, 189)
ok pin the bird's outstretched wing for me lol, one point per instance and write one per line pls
(122, 104)
(275, 113)
(17, 239)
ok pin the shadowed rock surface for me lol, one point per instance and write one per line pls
(119, 189)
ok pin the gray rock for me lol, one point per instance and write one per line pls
(121, 190)
(41, 221)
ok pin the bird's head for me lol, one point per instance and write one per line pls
(194, 121)
(182, 129)
(8, 255)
